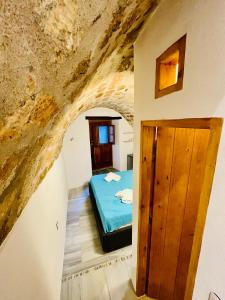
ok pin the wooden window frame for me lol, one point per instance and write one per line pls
(146, 194)
(102, 118)
(178, 45)
(113, 134)
(102, 123)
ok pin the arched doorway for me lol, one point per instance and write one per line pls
(77, 151)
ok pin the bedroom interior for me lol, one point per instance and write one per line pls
(112, 146)
(98, 222)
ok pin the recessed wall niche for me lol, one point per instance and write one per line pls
(170, 69)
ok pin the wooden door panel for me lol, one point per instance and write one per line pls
(164, 151)
(179, 170)
(106, 154)
(146, 171)
(196, 177)
(101, 154)
(183, 144)
(97, 156)
(205, 144)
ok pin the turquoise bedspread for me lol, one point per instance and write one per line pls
(113, 213)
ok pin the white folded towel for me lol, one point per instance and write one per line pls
(112, 176)
(126, 196)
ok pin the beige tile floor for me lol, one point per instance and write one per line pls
(106, 282)
(89, 273)
(82, 246)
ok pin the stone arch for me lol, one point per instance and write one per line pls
(48, 79)
(124, 108)
(115, 91)
(36, 161)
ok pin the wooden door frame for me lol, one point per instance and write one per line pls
(146, 183)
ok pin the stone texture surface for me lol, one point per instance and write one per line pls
(58, 58)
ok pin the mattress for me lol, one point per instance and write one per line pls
(113, 213)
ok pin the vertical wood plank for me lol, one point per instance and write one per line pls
(215, 126)
(183, 145)
(215, 134)
(164, 155)
(146, 179)
(192, 203)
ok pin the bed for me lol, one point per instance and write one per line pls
(113, 217)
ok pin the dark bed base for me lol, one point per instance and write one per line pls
(111, 240)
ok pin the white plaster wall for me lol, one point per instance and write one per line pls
(116, 147)
(76, 147)
(125, 143)
(31, 258)
(202, 96)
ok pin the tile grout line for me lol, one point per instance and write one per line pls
(97, 267)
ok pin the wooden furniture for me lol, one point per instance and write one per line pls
(177, 165)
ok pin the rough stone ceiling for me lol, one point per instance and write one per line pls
(58, 58)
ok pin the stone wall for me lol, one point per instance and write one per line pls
(58, 58)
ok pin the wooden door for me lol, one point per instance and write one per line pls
(179, 172)
(101, 144)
